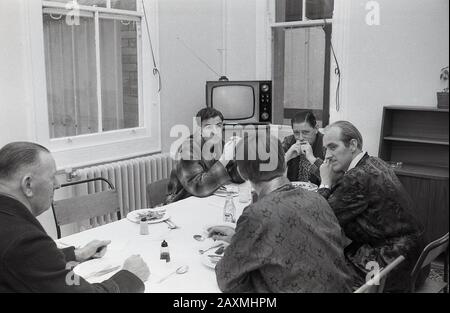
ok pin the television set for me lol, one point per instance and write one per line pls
(241, 102)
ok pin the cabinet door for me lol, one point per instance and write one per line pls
(430, 198)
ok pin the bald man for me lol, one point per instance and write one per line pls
(29, 258)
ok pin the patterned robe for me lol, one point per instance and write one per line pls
(299, 168)
(375, 213)
(288, 241)
(198, 173)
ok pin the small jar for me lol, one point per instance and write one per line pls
(143, 226)
(165, 255)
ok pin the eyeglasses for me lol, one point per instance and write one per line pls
(212, 127)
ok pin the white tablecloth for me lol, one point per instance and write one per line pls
(192, 215)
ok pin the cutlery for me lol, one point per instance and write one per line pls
(201, 251)
(171, 224)
(102, 272)
(181, 270)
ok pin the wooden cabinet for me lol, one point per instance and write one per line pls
(419, 138)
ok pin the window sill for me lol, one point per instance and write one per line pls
(76, 155)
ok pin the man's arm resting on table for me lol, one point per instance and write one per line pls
(33, 263)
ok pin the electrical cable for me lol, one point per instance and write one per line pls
(337, 72)
(155, 68)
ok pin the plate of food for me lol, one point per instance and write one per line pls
(305, 185)
(223, 191)
(156, 215)
(218, 226)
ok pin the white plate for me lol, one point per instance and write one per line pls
(88, 268)
(134, 215)
(224, 193)
(305, 185)
(207, 261)
(206, 227)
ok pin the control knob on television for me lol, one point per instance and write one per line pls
(265, 116)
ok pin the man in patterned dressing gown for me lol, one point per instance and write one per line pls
(371, 205)
(287, 241)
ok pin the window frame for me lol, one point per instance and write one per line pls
(303, 23)
(341, 26)
(104, 146)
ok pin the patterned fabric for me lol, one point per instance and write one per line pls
(374, 211)
(198, 172)
(288, 241)
(299, 168)
(304, 168)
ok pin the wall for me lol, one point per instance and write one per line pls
(395, 63)
(190, 30)
(16, 112)
(198, 23)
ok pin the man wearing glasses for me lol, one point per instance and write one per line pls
(205, 162)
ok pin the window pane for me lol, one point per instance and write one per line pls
(319, 9)
(71, 76)
(301, 70)
(119, 73)
(124, 4)
(292, 10)
(99, 3)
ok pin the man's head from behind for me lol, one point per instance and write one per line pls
(260, 158)
(211, 122)
(343, 142)
(28, 172)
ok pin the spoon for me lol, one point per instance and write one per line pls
(201, 251)
(199, 237)
(181, 270)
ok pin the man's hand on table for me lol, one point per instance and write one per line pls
(136, 265)
(223, 233)
(93, 250)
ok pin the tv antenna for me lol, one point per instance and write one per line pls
(200, 59)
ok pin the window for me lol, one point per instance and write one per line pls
(301, 57)
(92, 61)
(94, 81)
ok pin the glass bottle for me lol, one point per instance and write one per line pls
(143, 226)
(229, 210)
(165, 255)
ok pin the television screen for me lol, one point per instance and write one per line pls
(234, 101)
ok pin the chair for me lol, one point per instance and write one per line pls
(429, 254)
(376, 284)
(157, 192)
(75, 209)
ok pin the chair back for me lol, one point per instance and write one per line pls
(376, 284)
(157, 192)
(428, 255)
(80, 208)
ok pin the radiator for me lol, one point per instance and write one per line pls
(129, 177)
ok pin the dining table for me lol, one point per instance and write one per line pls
(192, 216)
